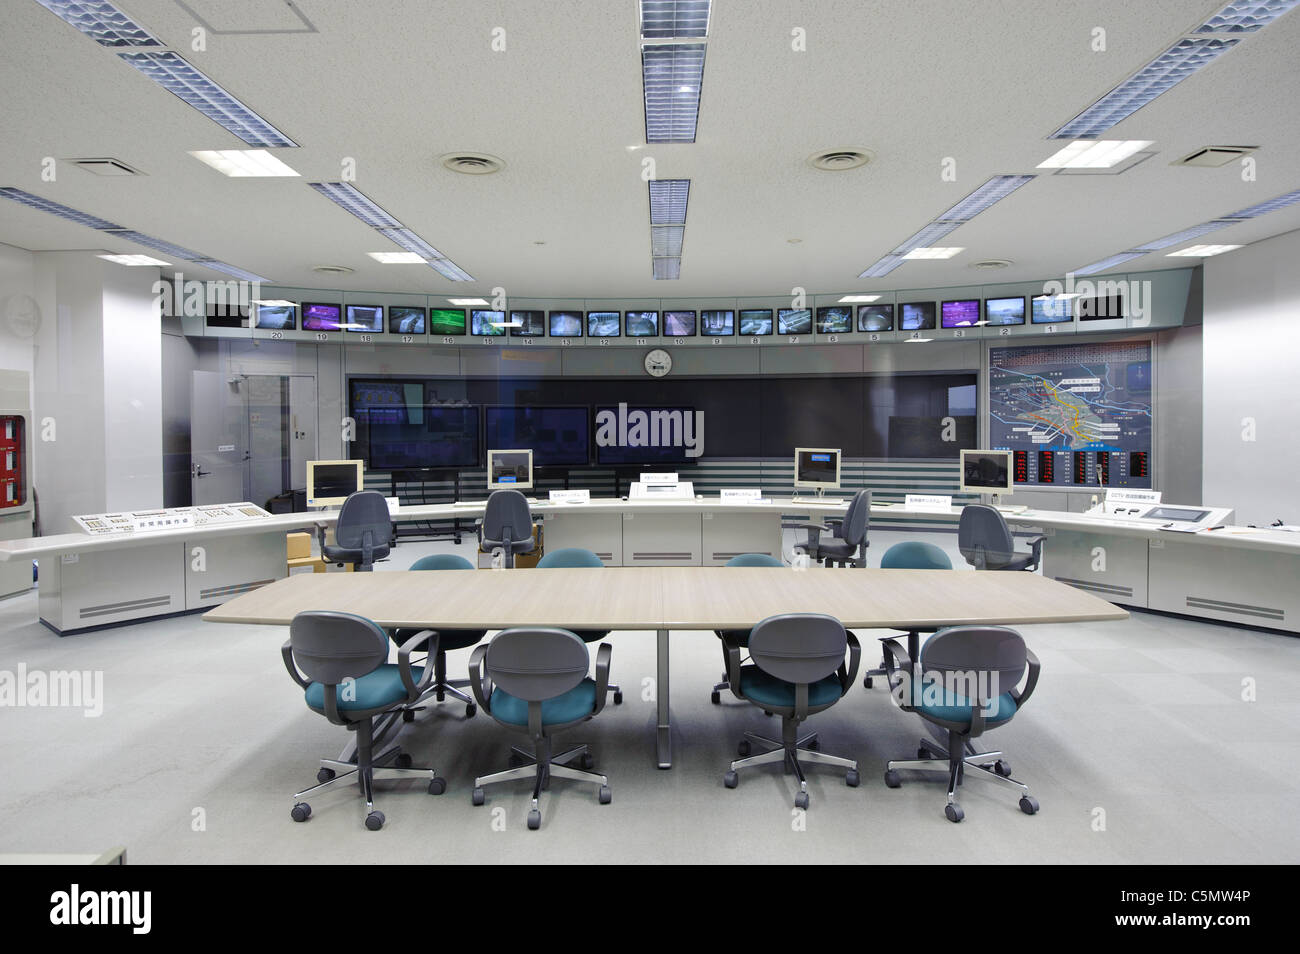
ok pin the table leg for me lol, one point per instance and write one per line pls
(663, 731)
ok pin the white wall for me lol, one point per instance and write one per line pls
(1251, 348)
(132, 360)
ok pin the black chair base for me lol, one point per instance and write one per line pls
(989, 765)
(541, 766)
(789, 753)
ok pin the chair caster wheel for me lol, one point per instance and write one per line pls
(605, 795)
(408, 715)
(1003, 769)
(618, 698)
(866, 683)
(437, 786)
(586, 761)
(743, 749)
(892, 780)
(731, 780)
(403, 761)
(470, 710)
(715, 697)
(852, 779)
(534, 820)
(954, 812)
(375, 821)
(1028, 804)
(801, 800)
(324, 775)
(479, 796)
(301, 812)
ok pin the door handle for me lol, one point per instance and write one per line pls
(200, 472)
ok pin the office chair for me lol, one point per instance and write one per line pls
(448, 639)
(738, 636)
(985, 541)
(909, 555)
(508, 524)
(798, 669)
(960, 693)
(535, 680)
(362, 534)
(346, 677)
(578, 557)
(848, 545)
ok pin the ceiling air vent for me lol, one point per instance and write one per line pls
(1213, 156)
(838, 160)
(990, 263)
(472, 163)
(106, 167)
(332, 269)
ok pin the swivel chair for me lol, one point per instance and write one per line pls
(534, 680)
(508, 524)
(346, 677)
(798, 669)
(848, 545)
(738, 636)
(985, 541)
(960, 694)
(578, 557)
(362, 534)
(909, 555)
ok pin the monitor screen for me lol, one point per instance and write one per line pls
(638, 435)
(446, 321)
(487, 323)
(718, 323)
(321, 317)
(510, 469)
(223, 318)
(917, 316)
(1100, 309)
(368, 318)
(408, 320)
(679, 324)
(566, 324)
(964, 313)
(557, 436)
(604, 324)
(1049, 309)
(330, 482)
(835, 320)
(794, 321)
(641, 324)
(276, 317)
(756, 321)
(816, 467)
(1181, 515)
(986, 471)
(419, 436)
(1004, 311)
(876, 318)
(527, 324)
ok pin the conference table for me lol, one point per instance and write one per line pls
(664, 599)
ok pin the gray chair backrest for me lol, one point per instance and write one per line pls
(965, 650)
(507, 517)
(798, 647)
(365, 511)
(536, 663)
(857, 518)
(330, 647)
(982, 528)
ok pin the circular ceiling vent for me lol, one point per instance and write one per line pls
(472, 163)
(838, 160)
(332, 269)
(990, 263)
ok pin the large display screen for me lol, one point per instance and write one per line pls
(419, 436)
(627, 435)
(557, 436)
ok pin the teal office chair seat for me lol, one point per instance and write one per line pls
(909, 555)
(379, 689)
(738, 637)
(767, 690)
(569, 707)
(577, 557)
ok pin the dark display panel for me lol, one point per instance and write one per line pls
(557, 436)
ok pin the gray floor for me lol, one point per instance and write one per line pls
(1138, 745)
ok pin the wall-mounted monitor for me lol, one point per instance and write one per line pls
(641, 324)
(756, 321)
(565, 324)
(276, 317)
(1103, 308)
(643, 435)
(446, 321)
(1051, 309)
(409, 320)
(717, 323)
(488, 324)
(413, 435)
(527, 324)
(876, 317)
(916, 316)
(557, 436)
(321, 317)
(679, 324)
(510, 469)
(604, 324)
(835, 320)
(331, 482)
(962, 313)
(986, 472)
(817, 467)
(365, 318)
(1004, 311)
(794, 321)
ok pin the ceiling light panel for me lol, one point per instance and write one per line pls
(674, 19)
(1246, 16)
(883, 266)
(668, 200)
(927, 236)
(1272, 205)
(54, 208)
(672, 75)
(231, 270)
(397, 258)
(160, 245)
(134, 260)
(991, 192)
(848, 299)
(467, 301)
(412, 243)
(666, 241)
(935, 252)
(176, 75)
(667, 269)
(1203, 251)
(1185, 235)
(242, 163)
(1094, 153)
(347, 196)
(102, 22)
(450, 270)
(1108, 263)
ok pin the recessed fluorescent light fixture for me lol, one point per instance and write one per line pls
(926, 237)
(858, 298)
(240, 163)
(1272, 205)
(1163, 73)
(231, 270)
(993, 191)
(54, 208)
(1246, 16)
(450, 270)
(932, 253)
(101, 21)
(349, 197)
(1108, 263)
(397, 258)
(133, 260)
(1177, 238)
(1094, 153)
(159, 245)
(674, 19)
(412, 243)
(1203, 251)
(882, 266)
(917, 340)
(467, 301)
(666, 241)
(274, 302)
(668, 198)
(671, 115)
(176, 75)
(666, 269)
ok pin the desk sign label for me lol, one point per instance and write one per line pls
(570, 496)
(1132, 496)
(741, 494)
(928, 503)
(662, 479)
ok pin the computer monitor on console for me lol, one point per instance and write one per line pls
(509, 469)
(986, 472)
(330, 482)
(816, 468)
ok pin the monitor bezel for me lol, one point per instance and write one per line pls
(550, 326)
(819, 484)
(388, 316)
(1024, 312)
(1068, 317)
(943, 324)
(499, 333)
(643, 311)
(719, 334)
(519, 333)
(313, 501)
(302, 315)
(257, 312)
(1009, 456)
(347, 320)
(618, 332)
(493, 485)
(464, 324)
(771, 322)
(877, 331)
(695, 323)
(934, 315)
(817, 319)
(781, 312)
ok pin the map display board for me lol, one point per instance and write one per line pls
(1075, 415)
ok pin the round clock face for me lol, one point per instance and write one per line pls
(658, 362)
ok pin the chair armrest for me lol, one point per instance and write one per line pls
(732, 651)
(320, 537)
(413, 688)
(476, 678)
(286, 651)
(1036, 548)
(894, 655)
(849, 676)
(1021, 696)
(602, 675)
(899, 672)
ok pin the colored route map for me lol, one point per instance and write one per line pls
(1074, 400)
